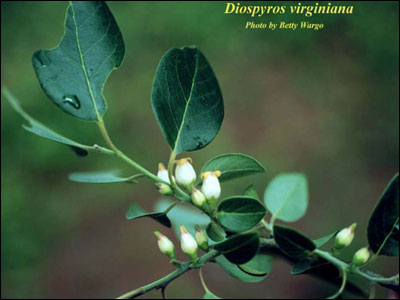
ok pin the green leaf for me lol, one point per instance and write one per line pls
(286, 197)
(136, 212)
(39, 129)
(239, 248)
(215, 232)
(73, 74)
(234, 271)
(251, 192)
(292, 242)
(183, 215)
(324, 240)
(240, 213)
(259, 265)
(307, 264)
(383, 225)
(233, 165)
(187, 100)
(100, 177)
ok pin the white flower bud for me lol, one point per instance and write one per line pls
(201, 238)
(165, 245)
(188, 244)
(361, 257)
(345, 237)
(163, 173)
(184, 172)
(199, 199)
(211, 187)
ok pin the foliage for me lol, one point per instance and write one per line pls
(188, 105)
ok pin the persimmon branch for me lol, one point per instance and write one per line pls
(162, 283)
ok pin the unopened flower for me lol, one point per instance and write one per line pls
(201, 238)
(163, 173)
(198, 199)
(165, 245)
(163, 188)
(345, 237)
(188, 244)
(211, 187)
(184, 172)
(361, 257)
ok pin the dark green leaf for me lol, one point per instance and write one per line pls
(215, 232)
(239, 248)
(136, 212)
(73, 74)
(324, 240)
(383, 225)
(251, 192)
(183, 215)
(233, 165)
(100, 177)
(292, 242)
(286, 197)
(259, 265)
(187, 100)
(307, 264)
(41, 130)
(240, 213)
(234, 271)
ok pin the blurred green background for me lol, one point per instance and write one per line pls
(320, 102)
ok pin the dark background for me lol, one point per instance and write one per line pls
(320, 102)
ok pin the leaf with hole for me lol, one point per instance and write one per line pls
(239, 248)
(233, 165)
(187, 100)
(136, 212)
(292, 242)
(383, 225)
(100, 177)
(286, 197)
(73, 74)
(240, 213)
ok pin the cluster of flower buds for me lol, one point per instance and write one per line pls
(189, 244)
(165, 245)
(163, 175)
(345, 237)
(185, 175)
(361, 256)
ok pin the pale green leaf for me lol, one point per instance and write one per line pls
(100, 177)
(286, 197)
